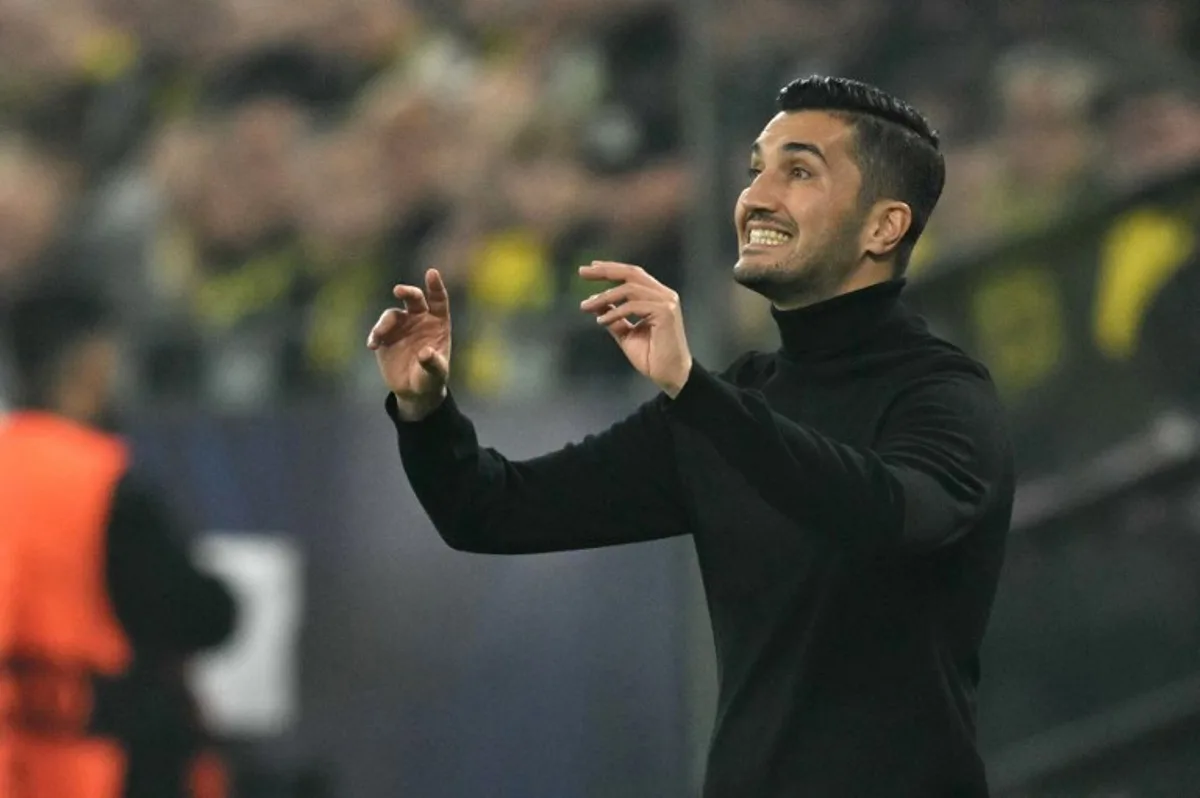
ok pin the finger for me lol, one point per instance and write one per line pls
(382, 332)
(413, 298)
(621, 328)
(439, 296)
(434, 362)
(637, 307)
(621, 293)
(616, 272)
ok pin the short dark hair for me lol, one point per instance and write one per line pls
(43, 328)
(894, 146)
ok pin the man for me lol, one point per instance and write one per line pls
(849, 495)
(99, 604)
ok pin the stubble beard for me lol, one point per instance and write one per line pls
(804, 278)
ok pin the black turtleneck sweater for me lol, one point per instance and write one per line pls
(849, 498)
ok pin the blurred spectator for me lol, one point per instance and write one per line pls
(101, 605)
(250, 176)
(244, 196)
(35, 190)
(1045, 135)
(1154, 132)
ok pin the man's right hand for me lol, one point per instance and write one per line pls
(412, 347)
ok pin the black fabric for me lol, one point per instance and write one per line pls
(170, 610)
(149, 711)
(164, 603)
(849, 498)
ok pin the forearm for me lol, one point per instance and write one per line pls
(599, 492)
(198, 613)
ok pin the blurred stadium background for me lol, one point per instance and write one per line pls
(247, 178)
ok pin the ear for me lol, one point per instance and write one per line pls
(886, 226)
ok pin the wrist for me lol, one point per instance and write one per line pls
(673, 386)
(412, 409)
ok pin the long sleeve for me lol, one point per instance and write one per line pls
(164, 603)
(619, 486)
(941, 459)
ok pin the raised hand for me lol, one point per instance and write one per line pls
(655, 344)
(412, 347)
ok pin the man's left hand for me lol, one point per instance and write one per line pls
(655, 343)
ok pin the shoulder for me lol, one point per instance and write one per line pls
(140, 502)
(929, 356)
(935, 374)
(746, 368)
(946, 376)
(949, 398)
(134, 488)
(73, 445)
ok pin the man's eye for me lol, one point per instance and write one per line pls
(753, 172)
(800, 172)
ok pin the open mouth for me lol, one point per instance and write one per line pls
(766, 237)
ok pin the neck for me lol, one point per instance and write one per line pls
(865, 276)
(839, 323)
(74, 405)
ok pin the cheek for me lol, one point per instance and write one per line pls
(109, 363)
(805, 209)
(820, 215)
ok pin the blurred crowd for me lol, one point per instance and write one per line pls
(249, 177)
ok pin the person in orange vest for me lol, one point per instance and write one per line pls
(100, 605)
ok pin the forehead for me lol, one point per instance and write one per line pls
(821, 128)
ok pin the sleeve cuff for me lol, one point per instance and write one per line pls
(702, 398)
(441, 420)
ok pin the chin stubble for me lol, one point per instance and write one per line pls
(793, 283)
(806, 278)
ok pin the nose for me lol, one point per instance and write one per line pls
(759, 196)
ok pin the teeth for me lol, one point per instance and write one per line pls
(769, 238)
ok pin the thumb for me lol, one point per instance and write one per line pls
(434, 362)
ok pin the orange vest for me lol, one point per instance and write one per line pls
(56, 485)
(57, 480)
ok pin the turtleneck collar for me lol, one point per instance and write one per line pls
(837, 323)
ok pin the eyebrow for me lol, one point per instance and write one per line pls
(793, 146)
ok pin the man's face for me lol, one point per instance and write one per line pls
(97, 373)
(84, 379)
(799, 220)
